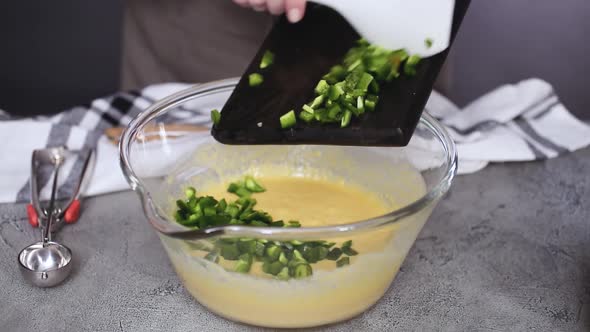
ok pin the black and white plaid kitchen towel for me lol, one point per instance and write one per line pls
(520, 122)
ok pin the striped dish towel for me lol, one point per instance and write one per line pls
(518, 122)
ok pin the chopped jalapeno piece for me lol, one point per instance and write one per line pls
(349, 251)
(364, 81)
(190, 192)
(322, 88)
(315, 104)
(215, 117)
(267, 59)
(283, 259)
(284, 274)
(308, 109)
(273, 252)
(255, 79)
(335, 92)
(288, 120)
(230, 251)
(343, 261)
(253, 186)
(346, 119)
(302, 271)
(259, 249)
(213, 257)
(334, 254)
(306, 116)
(242, 267)
(410, 66)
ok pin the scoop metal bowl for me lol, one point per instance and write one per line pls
(45, 264)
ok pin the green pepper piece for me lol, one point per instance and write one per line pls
(355, 64)
(322, 88)
(207, 201)
(428, 42)
(273, 252)
(317, 102)
(236, 222)
(209, 211)
(411, 64)
(242, 267)
(343, 261)
(244, 263)
(267, 59)
(230, 251)
(192, 202)
(334, 112)
(345, 121)
(311, 254)
(309, 109)
(246, 257)
(232, 209)
(369, 105)
(349, 251)
(190, 192)
(283, 259)
(221, 205)
(335, 92)
(243, 192)
(334, 254)
(360, 104)
(258, 223)
(213, 256)
(255, 79)
(278, 223)
(179, 216)
(364, 81)
(273, 268)
(302, 271)
(306, 116)
(253, 186)
(247, 246)
(322, 253)
(297, 256)
(294, 223)
(284, 274)
(215, 117)
(288, 120)
(233, 187)
(336, 74)
(374, 86)
(259, 249)
(183, 206)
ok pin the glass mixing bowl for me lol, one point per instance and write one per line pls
(162, 152)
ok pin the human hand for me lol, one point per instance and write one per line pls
(294, 8)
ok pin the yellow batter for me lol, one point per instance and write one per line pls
(331, 294)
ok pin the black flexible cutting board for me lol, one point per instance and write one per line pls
(304, 52)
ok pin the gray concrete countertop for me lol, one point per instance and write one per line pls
(507, 249)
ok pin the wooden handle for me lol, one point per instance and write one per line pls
(114, 133)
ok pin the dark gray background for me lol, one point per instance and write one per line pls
(58, 54)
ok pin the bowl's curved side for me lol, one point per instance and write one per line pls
(172, 229)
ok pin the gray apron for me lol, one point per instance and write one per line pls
(188, 40)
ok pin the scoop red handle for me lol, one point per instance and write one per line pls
(32, 214)
(72, 212)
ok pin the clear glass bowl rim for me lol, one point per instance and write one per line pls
(175, 230)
